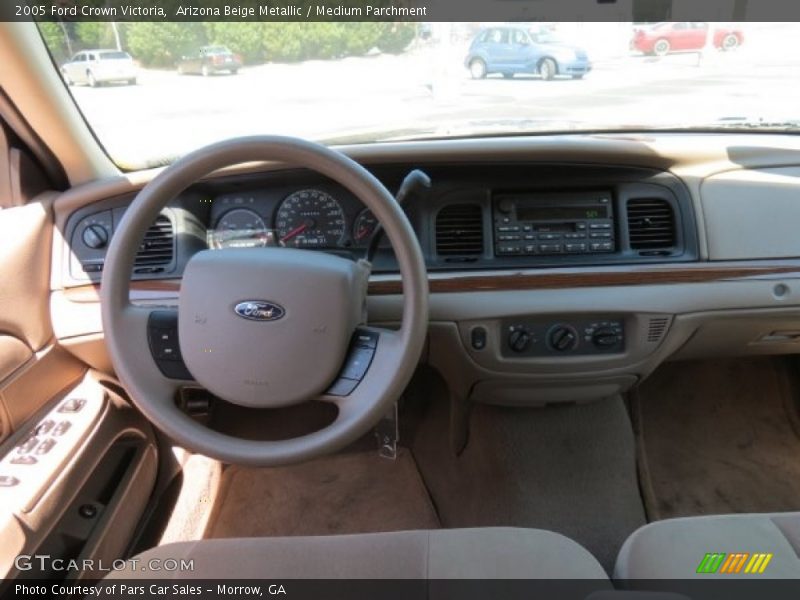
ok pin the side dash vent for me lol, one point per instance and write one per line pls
(158, 246)
(459, 230)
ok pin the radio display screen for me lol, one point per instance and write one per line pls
(532, 212)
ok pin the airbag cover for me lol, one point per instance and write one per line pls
(268, 327)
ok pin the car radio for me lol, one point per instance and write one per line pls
(545, 223)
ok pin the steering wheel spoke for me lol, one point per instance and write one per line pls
(371, 360)
(144, 326)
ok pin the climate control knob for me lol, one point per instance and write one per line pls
(95, 236)
(604, 337)
(519, 340)
(562, 338)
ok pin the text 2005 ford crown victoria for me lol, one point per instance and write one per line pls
(355, 314)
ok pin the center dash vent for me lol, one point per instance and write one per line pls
(651, 224)
(158, 245)
(459, 230)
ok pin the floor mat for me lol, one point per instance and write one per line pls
(345, 493)
(569, 469)
(715, 437)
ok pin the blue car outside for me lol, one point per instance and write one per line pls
(511, 49)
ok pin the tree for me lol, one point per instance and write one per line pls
(395, 37)
(94, 35)
(162, 44)
(283, 41)
(243, 38)
(56, 40)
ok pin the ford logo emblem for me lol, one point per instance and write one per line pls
(259, 310)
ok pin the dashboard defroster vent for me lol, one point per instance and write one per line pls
(459, 230)
(158, 245)
(651, 224)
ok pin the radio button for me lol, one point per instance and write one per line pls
(601, 246)
(550, 248)
(599, 225)
(549, 236)
(527, 228)
(595, 236)
(509, 250)
(530, 249)
(508, 238)
(575, 247)
(575, 236)
(529, 237)
(580, 226)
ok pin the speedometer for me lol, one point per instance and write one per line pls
(310, 219)
(239, 228)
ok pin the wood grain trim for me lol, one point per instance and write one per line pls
(557, 279)
(517, 280)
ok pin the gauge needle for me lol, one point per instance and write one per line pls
(361, 233)
(294, 232)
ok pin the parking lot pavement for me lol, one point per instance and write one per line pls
(166, 113)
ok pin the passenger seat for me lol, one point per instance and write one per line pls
(678, 548)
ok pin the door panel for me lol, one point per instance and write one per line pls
(26, 391)
(25, 253)
(30, 374)
(13, 354)
(67, 438)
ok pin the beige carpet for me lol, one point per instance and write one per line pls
(569, 469)
(194, 506)
(716, 437)
(345, 493)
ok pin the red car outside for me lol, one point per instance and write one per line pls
(663, 38)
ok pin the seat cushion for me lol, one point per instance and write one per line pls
(675, 548)
(481, 553)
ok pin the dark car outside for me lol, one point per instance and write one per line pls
(209, 60)
(509, 49)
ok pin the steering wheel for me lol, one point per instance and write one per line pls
(268, 327)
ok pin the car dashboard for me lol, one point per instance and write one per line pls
(473, 218)
(560, 268)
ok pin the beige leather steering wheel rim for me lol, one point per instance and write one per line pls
(125, 324)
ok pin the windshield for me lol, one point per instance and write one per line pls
(194, 83)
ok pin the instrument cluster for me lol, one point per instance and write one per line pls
(312, 218)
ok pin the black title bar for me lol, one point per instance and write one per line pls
(399, 10)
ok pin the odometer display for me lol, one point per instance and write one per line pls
(310, 219)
